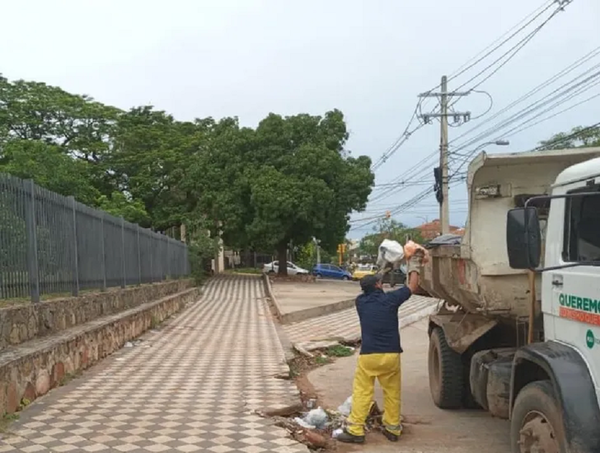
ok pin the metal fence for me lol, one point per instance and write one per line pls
(50, 244)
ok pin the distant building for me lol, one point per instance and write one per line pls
(431, 230)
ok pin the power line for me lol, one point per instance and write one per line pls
(592, 54)
(550, 97)
(544, 7)
(515, 49)
(550, 144)
(555, 114)
(400, 141)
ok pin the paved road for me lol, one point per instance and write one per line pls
(190, 387)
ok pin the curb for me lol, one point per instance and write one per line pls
(302, 315)
(275, 308)
(417, 316)
(286, 344)
(315, 312)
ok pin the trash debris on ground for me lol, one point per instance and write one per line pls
(336, 432)
(317, 425)
(303, 424)
(317, 418)
(346, 407)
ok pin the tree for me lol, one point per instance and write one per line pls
(287, 181)
(149, 160)
(388, 229)
(50, 168)
(579, 137)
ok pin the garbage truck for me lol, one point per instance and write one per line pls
(517, 330)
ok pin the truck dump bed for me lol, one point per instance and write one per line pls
(475, 274)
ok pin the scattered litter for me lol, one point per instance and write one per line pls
(303, 424)
(131, 344)
(346, 407)
(336, 433)
(317, 418)
(311, 403)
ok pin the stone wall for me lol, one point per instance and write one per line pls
(26, 322)
(30, 370)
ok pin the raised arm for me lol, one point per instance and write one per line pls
(414, 269)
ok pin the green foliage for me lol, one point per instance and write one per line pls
(50, 167)
(286, 181)
(388, 229)
(307, 256)
(339, 351)
(119, 205)
(202, 248)
(578, 137)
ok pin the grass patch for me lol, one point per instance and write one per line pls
(245, 270)
(6, 420)
(339, 351)
(322, 360)
(69, 377)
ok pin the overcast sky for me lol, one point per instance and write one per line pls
(246, 58)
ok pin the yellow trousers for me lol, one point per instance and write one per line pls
(386, 368)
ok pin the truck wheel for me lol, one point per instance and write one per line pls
(445, 372)
(536, 424)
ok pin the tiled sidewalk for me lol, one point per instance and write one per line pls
(344, 325)
(190, 387)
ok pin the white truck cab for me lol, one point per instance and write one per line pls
(557, 410)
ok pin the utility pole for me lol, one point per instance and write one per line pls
(444, 97)
(444, 205)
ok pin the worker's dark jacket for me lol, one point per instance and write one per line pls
(378, 313)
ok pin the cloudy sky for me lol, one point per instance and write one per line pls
(198, 58)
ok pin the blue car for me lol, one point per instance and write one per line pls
(331, 271)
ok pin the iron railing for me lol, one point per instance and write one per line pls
(51, 244)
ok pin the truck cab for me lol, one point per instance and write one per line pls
(555, 390)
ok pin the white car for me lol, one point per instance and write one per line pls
(292, 269)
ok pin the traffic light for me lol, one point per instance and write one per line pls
(437, 186)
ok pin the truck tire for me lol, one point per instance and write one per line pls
(446, 374)
(536, 422)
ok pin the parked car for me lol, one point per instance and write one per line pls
(331, 271)
(395, 277)
(292, 269)
(363, 270)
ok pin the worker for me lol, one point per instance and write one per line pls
(380, 353)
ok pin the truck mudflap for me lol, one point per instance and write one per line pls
(573, 386)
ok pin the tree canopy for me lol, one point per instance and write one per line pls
(388, 229)
(285, 181)
(578, 137)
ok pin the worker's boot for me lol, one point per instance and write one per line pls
(390, 436)
(348, 438)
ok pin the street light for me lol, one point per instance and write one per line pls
(500, 142)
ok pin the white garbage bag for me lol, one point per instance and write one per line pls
(346, 407)
(390, 252)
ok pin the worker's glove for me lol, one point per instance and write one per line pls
(415, 263)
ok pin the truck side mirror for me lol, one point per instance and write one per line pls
(523, 238)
